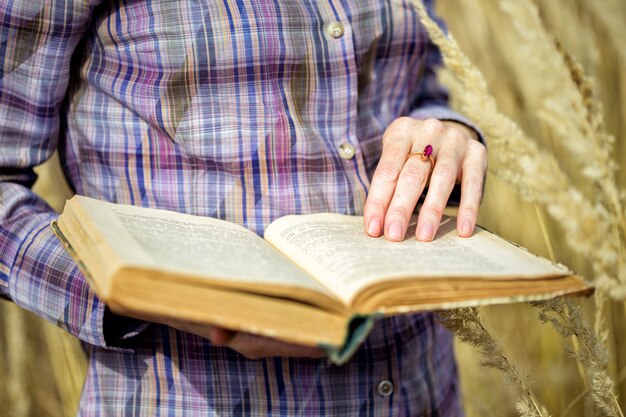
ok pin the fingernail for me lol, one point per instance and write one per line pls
(466, 228)
(373, 229)
(426, 232)
(396, 232)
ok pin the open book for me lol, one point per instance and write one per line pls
(315, 280)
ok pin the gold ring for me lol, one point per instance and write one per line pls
(424, 155)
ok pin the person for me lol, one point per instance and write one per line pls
(244, 111)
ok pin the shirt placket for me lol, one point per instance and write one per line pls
(338, 32)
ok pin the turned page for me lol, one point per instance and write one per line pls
(335, 249)
(191, 245)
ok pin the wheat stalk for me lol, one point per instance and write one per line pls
(567, 319)
(466, 324)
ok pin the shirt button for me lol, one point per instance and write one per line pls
(346, 151)
(385, 388)
(335, 30)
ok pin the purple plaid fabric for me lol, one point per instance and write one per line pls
(231, 109)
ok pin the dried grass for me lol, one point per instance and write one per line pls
(467, 326)
(568, 320)
(16, 364)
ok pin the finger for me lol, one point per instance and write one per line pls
(256, 347)
(221, 337)
(410, 185)
(440, 186)
(383, 184)
(217, 335)
(474, 169)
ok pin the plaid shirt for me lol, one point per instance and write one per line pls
(241, 110)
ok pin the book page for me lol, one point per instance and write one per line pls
(337, 251)
(193, 245)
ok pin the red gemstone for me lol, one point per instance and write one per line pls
(428, 151)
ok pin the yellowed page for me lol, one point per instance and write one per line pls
(336, 250)
(192, 245)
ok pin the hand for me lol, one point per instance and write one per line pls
(250, 346)
(398, 183)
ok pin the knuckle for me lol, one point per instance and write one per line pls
(443, 177)
(433, 125)
(387, 172)
(470, 209)
(398, 127)
(434, 210)
(398, 212)
(446, 169)
(479, 149)
(477, 146)
(474, 185)
(375, 205)
(414, 174)
(403, 122)
(472, 174)
(457, 136)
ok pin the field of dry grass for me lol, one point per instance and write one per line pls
(41, 368)
(593, 32)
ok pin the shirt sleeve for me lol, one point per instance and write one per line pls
(37, 42)
(431, 98)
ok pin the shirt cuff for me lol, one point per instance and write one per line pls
(45, 280)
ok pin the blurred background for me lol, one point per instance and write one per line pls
(42, 368)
